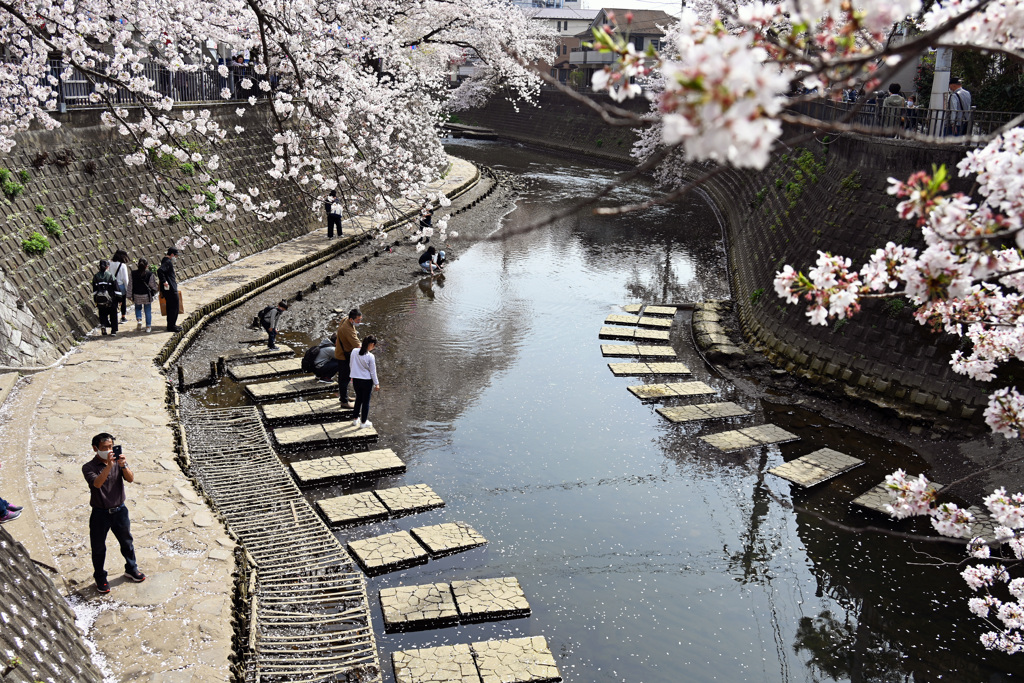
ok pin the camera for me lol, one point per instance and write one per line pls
(117, 451)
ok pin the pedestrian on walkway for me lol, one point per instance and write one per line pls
(104, 295)
(346, 342)
(364, 380)
(333, 209)
(325, 363)
(959, 106)
(269, 322)
(106, 474)
(169, 288)
(142, 288)
(119, 269)
(8, 511)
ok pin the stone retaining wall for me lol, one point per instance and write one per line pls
(38, 639)
(82, 183)
(833, 201)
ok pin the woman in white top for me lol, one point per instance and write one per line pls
(119, 269)
(363, 370)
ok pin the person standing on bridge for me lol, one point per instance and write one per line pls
(364, 380)
(346, 342)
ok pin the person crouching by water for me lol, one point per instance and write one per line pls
(429, 261)
(363, 370)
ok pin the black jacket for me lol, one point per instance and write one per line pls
(166, 274)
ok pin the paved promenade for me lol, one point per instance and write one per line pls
(176, 626)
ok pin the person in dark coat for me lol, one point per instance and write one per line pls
(105, 295)
(333, 209)
(270, 323)
(169, 288)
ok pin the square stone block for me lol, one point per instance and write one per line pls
(769, 433)
(378, 463)
(829, 459)
(669, 368)
(344, 431)
(356, 508)
(629, 369)
(616, 333)
(302, 435)
(668, 311)
(387, 553)
(656, 351)
(490, 599)
(404, 500)
(448, 538)
(632, 308)
(878, 497)
(652, 335)
(407, 608)
(732, 440)
(517, 660)
(444, 664)
(801, 472)
(703, 411)
(282, 412)
(656, 323)
(690, 388)
(620, 319)
(619, 350)
(651, 391)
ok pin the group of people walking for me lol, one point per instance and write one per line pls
(116, 282)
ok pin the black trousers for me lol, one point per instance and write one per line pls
(172, 309)
(364, 388)
(100, 522)
(108, 316)
(333, 221)
(343, 373)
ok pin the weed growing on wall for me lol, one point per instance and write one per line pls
(52, 227)
(35, 244)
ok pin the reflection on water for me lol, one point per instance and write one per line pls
(646, 555)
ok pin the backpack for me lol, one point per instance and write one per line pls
(257, 321)
(309, 359)
(102, 298)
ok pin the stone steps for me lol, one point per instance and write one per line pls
(703, 411)
(342, 468)
(285, 366)
(515, 660)
(671, 390)
(628, 333)
(816, 468)
(257, 352)
(748, 437)
(299, 412)
(371, 506)
(436, 605)
(402, 549)
(647, 369)
(340, 433)
(637, 351)
(287, 388)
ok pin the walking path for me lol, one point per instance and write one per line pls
(176, 626)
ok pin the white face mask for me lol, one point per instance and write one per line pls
(104, 454)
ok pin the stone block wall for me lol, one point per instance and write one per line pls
(776, 217)
(45, 301)
(38, 627)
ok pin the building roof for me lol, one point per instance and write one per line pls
(561, 13)
(645, 21)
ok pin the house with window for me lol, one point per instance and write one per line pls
(568, 22)
(646, 29)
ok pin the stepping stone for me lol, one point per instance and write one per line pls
(644, 369)
(357, 508)
(817, 467)
(286, 388)
(651, 335)
(668, 368)
(405, 500)
(984, 526)
(379, 463)
(878, 497)
(666, 311)
(633, 308)
(703, 411)
(408, 608)
(617, 333)
(443, 664)
(620, 350)
(490, 599)
(657, 323)
(656, 351)
(448, 538)
(321, 410)
(285, 366)
(388, 553)
(619, 319)
(655, 391)
(738, 439)
(329, 433)
(517, 660)
(258, 351)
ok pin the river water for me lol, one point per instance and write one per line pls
(646, 556)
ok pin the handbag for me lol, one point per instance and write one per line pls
(163, 304)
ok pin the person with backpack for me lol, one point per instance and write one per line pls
(119, 269)
(269, 322)
(320, 360)
(363, 369)
(169, 288)
(104, 295)
(142, 287)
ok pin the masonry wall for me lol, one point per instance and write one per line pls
(76, 176)
(827, 195)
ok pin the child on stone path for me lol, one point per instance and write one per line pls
(363, 370)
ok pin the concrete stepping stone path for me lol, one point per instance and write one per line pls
(703, 411)
(633, 308)
(984, 526)
(878, 497)
(448, 538)
(621, 319)
(662, 311)
(295, 412)
(258, 351)
(634, 351)
(366, 464)
(516, 660)
(316, 435)
(285, 366)
(436, 605)
(359, 508)
(657, 323)
(672, 390)
(632, 333)
(646, 369)
(817, 467)
(286, 388)
(748, 437)
(401, 549)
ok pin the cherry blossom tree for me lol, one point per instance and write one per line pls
(356, 89)
(721, 88)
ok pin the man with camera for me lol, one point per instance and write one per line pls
(106, 474)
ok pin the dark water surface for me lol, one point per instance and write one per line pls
(646, 556)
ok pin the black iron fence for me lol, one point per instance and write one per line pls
(184, 87)
(876, 119)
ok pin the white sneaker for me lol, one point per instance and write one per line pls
(149, 329)
(367, 425)
(138, 325)
(355, 423)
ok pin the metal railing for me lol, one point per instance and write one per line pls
(76, 91)
(897, 121)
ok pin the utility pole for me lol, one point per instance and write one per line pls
(940, 83)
